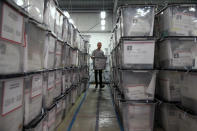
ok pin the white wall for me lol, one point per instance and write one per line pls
(91, 22)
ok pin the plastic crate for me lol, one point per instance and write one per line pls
(49, 59)
(67, 56)
(35, 38)
(12, 43)
(65, 29)
(187, 121)
(36, 124)
(58, 54)
(188, 91)
(179, 20)
(11, 101)
(169, 117)
(136, 20)
(35, 9)
(178, 54)
(59, 23)
(33, 97)
(76, 39)
(100, 63)
(48, 88)
(74, 58)
(58, 83)
(169, 87)
(49, 15)
(51, 118)
(138, 85)
(138, 116)
(136, 54)
(59, 112)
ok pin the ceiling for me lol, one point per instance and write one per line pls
(107, 5)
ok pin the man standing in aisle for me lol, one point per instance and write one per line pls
(98, 53)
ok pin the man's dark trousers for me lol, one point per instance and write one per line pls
(100, 77)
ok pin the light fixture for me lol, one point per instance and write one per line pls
(67, 14)
(71, 21)
(192, 9)
(19, 2)
(102, 27)
(103, 14)
(102, 22)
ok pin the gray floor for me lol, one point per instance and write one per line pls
(88, 118)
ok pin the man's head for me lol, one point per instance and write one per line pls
(99, 45)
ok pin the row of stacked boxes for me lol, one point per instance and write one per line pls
(139, 67)
(43, 68)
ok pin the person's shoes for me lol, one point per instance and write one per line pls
(102, 86)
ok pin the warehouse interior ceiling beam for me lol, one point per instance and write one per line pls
(86, 5)
(108, 5)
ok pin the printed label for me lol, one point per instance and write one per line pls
(12, 95)
(182, 23)
(139, 52)
(182, 58)
(136, 92)
(51, 80)
(36, 85)
(12, 24)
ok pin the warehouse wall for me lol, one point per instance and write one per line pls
(90, 22)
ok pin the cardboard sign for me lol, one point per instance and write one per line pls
(139, 52)
(12, 95)
(12, 24)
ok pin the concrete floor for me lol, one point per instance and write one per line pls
(96, 113)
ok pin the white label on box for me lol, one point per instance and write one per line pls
(51, 80)
(175, 92)
(181, 23)
(36, 85)
(12, 24)
(139, 52)
(136, 92)
(182, 58)
(12, 95)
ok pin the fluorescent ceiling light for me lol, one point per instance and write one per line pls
(103, 22)
(19, 2)
(192, 9)
(102, 27)
(103, 14)
(67, 14)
